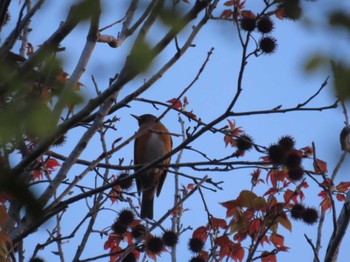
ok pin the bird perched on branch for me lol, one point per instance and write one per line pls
(153, 141)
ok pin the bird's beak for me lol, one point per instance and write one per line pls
(135, 116)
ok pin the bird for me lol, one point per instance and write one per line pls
(344, 138)
(153, 142)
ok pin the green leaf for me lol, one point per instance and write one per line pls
(140, 57)
(172, 19)
(285, 222)
(315, 62)
(341, 78)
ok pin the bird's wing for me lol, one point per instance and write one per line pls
(136, 162)
(166, 161)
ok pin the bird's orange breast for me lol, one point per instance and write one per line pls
(153, 144)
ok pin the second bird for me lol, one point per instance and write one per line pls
(153, 142)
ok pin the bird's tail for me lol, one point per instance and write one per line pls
(147, 204)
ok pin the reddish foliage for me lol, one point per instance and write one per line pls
(268, 257)
(290, 195)
(232, 132)
(247, 14)
(228, 248)
(227, 13)
(326, 202)
(230, 3)
(201, 233)
(341, 197)
(218, 222)
(277, 240)
(307, 151)
(47, 167)
(275, 176)
(175, 103)
(256, 177)
(264, 239)
(112, 241)
(320, 166)
(343, 186)
(254, 226)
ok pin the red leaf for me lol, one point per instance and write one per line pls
(201, 233)
(320, 166)
(271, 191)
(263, 240)
(277, 240)
(176, 103)
(218, 222)
(290, 195)
(307, 151)
(268, 257)
(224, 243)
(230, 3)
(256, 177)
(114, 195)
(237, 253)
(37, 174)
(227, 13)
(229, 140)
(190, 186)
(51, 163)
(323, 194)
(254, 226)
(112, 241)
(343, 186)
(247, 14)
(341, 197)
(326, 204)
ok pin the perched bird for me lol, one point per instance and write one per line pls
(153, 142)
(344, 139)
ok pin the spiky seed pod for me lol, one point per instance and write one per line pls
(130, 258)
(248, 24)
(170, 238)
(276, 154)
(286, 142)
(297, 211)
(125, 183)
(265, 25)
(296, 173)
(138, 231)
(126, 217)
(60, 141)
(36, 259)
(154, 245)
(310, 215)
(119, 228)
(268, 44)
(293, 160)
(244, 142)
(197, 259)
(291, 9)
(195, 244)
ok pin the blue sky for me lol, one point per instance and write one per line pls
(271, 80)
